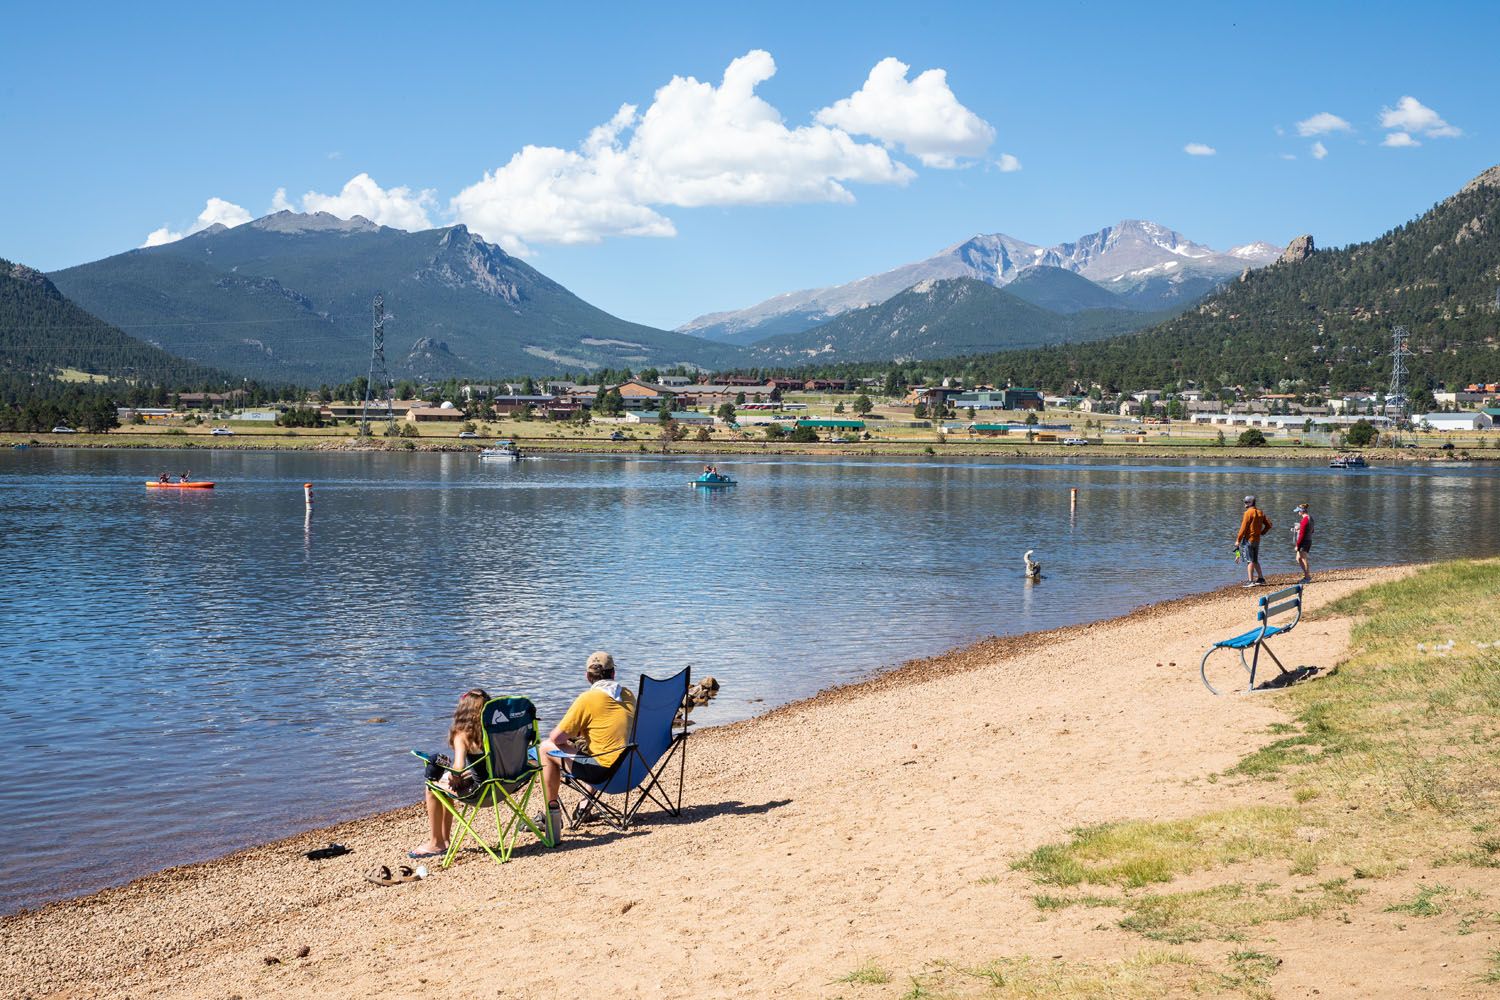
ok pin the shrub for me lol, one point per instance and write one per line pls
(1251, 438)
(1360, 434)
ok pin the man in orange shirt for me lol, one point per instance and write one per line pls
(1252, 526)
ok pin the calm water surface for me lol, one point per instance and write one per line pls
(179, 663)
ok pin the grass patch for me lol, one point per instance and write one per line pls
(868, 974)
(1131, 855)
(1047, 903)
(1427, 902)
(1145, 976)
(1492, 974)
(1224, 912)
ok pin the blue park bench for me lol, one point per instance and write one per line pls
(1283, 604)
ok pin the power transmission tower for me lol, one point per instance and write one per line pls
(1399, 354)
(379, 375)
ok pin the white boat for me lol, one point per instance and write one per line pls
(501, 451)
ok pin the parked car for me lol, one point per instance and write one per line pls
(1075, 440)
(60, 429)
(467, 434)
(617, 436)
(838, 439)
(221, 432)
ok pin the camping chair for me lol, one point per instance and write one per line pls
(508, 773)
(638, 772)
(1266, 609)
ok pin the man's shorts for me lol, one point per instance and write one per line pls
(589, 774)
(1305, 547)
(1251, 550)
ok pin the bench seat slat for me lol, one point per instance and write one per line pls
(1248, 639)
(1277, 609)
(1294, 591)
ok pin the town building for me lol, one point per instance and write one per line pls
(1468, 420)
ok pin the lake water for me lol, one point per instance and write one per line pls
(179, 662)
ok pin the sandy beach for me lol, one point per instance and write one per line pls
(876, 823)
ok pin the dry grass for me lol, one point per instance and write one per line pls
(1145, 976)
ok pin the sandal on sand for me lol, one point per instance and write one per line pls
(406, 873)
(381, 875)
(419, 855)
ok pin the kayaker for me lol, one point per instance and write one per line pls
(164, 478)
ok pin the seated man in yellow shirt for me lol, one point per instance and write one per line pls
(597, 724)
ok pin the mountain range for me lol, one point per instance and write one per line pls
(1314, 318)
(945, 317)
(1143, 265)
(288, 298)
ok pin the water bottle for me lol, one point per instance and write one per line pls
(554, 822)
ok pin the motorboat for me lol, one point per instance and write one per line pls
(1348, 462)
(501, 451)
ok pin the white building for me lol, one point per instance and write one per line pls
(1466, 421)
(1292, 420)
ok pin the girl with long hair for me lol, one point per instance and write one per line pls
(466, 737)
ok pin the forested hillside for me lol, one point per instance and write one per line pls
(936, 319)
(41, 333)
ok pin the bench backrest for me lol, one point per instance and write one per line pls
(1288, 601)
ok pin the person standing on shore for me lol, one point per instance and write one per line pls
(1302, 540)
(1252, 526)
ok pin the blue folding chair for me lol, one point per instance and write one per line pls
(640, 773)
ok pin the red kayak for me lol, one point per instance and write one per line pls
(153, 484)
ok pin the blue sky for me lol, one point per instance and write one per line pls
(118, 121)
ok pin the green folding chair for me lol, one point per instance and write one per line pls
(506, 774)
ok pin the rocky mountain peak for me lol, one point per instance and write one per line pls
(313, 222)
(464, 260)
(1297, 251)
(1490, 178)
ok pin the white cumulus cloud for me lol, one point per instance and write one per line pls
(1008, 164)
(921, 115)
(1319, 150)
(398, 207)
(1199, 149)
(697, 144)
(216, 211)
(1412, 116)
(1323, 123)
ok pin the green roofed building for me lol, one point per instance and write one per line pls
(833, 425)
